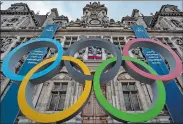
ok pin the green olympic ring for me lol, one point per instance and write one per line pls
(120, 115)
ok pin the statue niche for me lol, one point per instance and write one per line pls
(5, 44)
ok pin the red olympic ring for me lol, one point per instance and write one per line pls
(178, 64)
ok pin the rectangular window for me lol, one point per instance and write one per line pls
(64, 86)
(62, 101)
(131, 98)
(121, 39)
(68, 38)
(54, 101)
(127, 101)
(22, 39)
(57, 86)
(115, 39)
(135, 101)
(125, 87)
(74, 38)
(58, 96)
(58, 40)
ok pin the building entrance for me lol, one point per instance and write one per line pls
(93, 113)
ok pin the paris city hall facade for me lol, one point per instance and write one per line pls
(20, 24)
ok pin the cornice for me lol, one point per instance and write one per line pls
(6, 12)
(92, 30)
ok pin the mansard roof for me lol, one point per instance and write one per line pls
(41, 19)
(147, 20)
(26, 11)
(162, 9)
(155, 17)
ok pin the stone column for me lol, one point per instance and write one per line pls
(4, 85)
(37, 94)
(103, 54)
(68, 95)
(143, 96)
(85, 55)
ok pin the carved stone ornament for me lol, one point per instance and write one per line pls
(62, 76)
(124, 76)
(179, 42)
(5, 45)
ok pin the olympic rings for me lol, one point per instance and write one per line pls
(25, 96)
(172, 58)
(16, 54)
(76, 46)
(25, 90)
(159, 95)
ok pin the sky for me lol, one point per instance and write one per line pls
(116, 9)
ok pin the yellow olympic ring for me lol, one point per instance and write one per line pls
(32, 114)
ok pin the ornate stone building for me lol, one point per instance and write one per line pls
(20, 24)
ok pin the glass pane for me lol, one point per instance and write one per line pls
(62, 101)
(74, 38)
(64, 86)
(57, 86)
(68, 38)
(127, 101)
(135, 102)
(115, 39)
(132, 86)
(125, 87)
(54, 101)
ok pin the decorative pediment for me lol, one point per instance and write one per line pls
(124, 76)
(95, 6)
(62, 76)
(62, 17)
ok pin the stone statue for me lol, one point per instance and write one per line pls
(5, 45)
(137, 53)
(179, 42)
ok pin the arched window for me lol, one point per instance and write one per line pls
(176, 23)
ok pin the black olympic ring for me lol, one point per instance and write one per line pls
(105, 77)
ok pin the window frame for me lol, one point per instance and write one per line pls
(130, 92)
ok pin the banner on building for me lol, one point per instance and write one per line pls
(9, 103)
(174, 97)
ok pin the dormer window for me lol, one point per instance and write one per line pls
(177, 23)
(13, 8)
(58, 22)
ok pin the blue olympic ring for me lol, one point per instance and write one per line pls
(19, 51)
